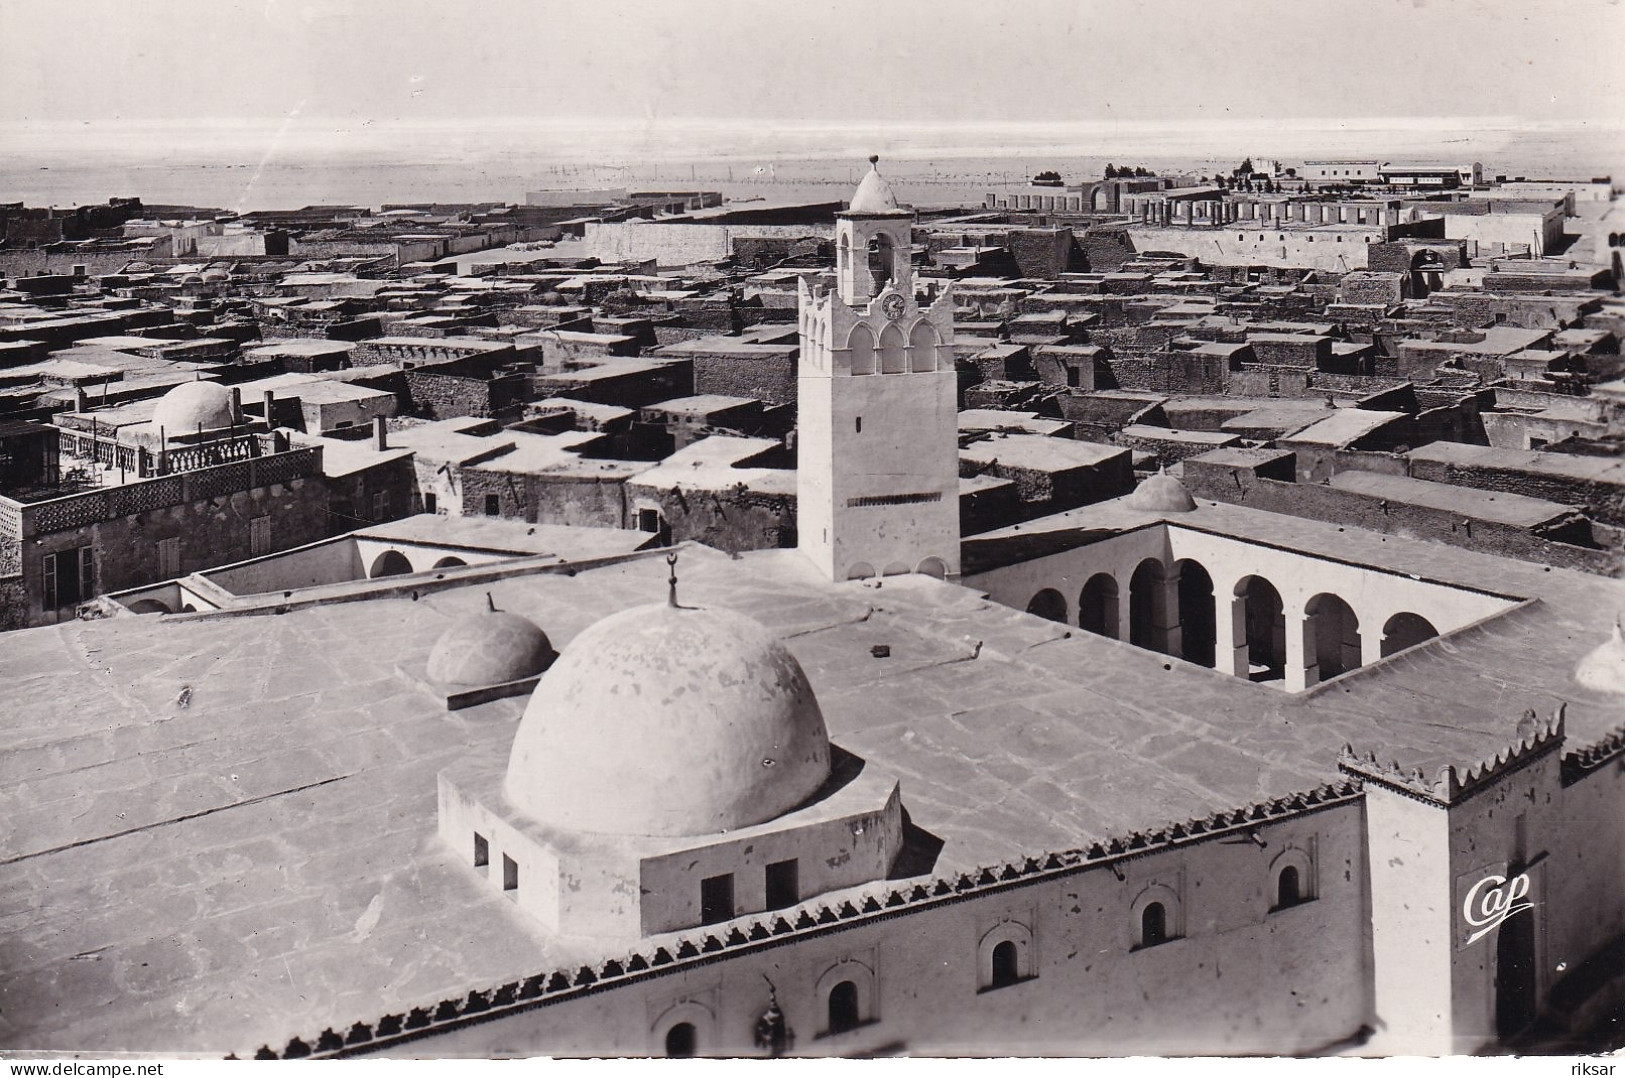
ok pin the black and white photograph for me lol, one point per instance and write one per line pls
(1086, 530)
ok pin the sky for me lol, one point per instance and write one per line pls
(767, 63)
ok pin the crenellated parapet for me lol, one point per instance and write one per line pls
(866, 905)
(1588, 758)
(1453, 783)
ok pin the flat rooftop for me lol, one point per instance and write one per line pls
(1345, 425)
(1514, 510)
(1566, 465)
(1039, 452)
(220, 830)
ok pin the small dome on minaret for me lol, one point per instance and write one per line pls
(874, 194)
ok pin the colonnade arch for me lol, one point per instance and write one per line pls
(1244, 627)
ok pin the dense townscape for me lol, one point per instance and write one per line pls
(1129, 614)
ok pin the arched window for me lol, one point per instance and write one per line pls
(862, 345)
(1337, 635)
(922, 342)
(1293, 877)
(1286, 888)
(892, 358)
(450, 561)
(1005, 955)
(681, 1041)
(1153, 925)
(845, 254)
(1006, 966)
(843, 1008)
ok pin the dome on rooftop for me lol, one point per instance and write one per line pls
(191, 405)
(489, 648)
(216, 277)
(1161, 493)
(663, 720)
(1603, 668)
(874, 194)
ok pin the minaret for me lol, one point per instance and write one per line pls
(877, 470)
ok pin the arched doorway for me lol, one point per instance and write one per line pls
(1405, 630)
(1516, 993)
(390, 563)
(1265, 619)
(1198, 629)
(1050, 604)
(681, 1041)
(1336, 635)
(1152, 623)
(1097, 605)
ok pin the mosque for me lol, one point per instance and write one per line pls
(1154, 776)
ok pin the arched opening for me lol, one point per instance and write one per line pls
(1006, 965)
(843, 1007)
(1097, 605)
(933, 567)
(844, 255)
(390, 563)
(862, 344)
(892, 358)
(922, 343)
(1153, 925)
(1405, 630)
(1288, 888)
(860, 570)
(1151, 623)
(681, 1041)
(896, 568)
(882, 262)
(1198, 629)
(1050, 604)
(149, 606)
(1265, 619)
(1337, 635)
(450, 561)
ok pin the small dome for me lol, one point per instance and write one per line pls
(216, 277)
(489, 648)
(662, 720)
(138, 267)
(1603, 669)
(1162, 493)
(874, 194)
(191, 405)
(192, 278)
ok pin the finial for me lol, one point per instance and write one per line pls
(671, 581)
(490, 602)
(874, 160)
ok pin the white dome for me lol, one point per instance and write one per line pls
(191, 405)
(1603, 669)
(1161, 493)
(489, 648)
(874, 194)
(668, 721)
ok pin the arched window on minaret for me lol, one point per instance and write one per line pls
(923, 343)
(862, 344)
(844, 255)
(892, 360)
(882, 262)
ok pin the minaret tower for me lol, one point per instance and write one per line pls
(877, 470)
